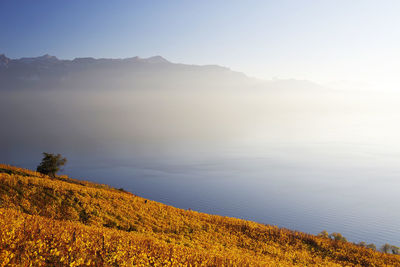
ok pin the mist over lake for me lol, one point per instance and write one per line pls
(305, 160)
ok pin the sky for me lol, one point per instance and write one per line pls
(341, 43)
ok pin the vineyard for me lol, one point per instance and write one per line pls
(66, 222)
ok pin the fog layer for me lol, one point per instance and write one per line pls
(281, 152)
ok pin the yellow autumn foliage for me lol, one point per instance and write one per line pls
(66, 222)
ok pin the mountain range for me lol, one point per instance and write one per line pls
(50, 73)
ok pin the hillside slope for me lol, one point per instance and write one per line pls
(46, 221)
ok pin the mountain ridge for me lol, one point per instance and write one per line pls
(48, 72)
(157, 59)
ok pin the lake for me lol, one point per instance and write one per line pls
(304, 161)
(348, 188)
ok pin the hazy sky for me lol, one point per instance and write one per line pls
(322, 41)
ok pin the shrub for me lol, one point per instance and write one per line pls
(51, 164)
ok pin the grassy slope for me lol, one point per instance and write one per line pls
(51, 220)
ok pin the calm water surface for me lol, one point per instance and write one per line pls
(348, 188)
(309, 162)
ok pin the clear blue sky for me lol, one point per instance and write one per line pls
(323, 41)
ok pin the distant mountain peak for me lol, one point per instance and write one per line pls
(84, 60)
(4, 60)
(3, 57)
(156, 59)
(48, 57)
(44, 58)
(153, 60)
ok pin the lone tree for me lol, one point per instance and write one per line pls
(51, 164)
